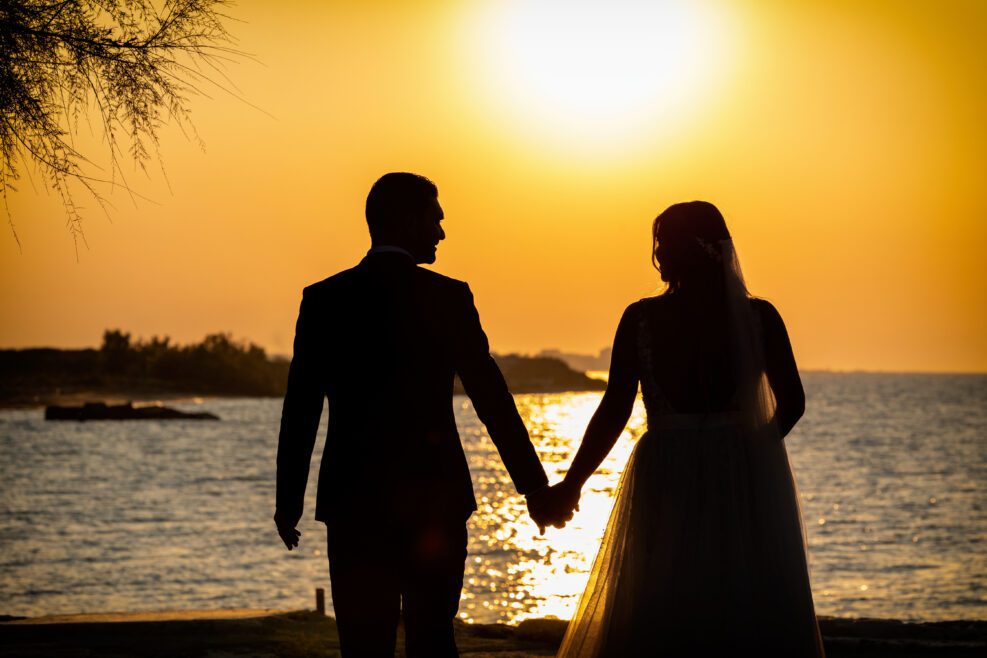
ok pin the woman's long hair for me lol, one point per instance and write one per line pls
(686, 245)
(693, 251)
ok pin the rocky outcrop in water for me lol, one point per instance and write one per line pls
(103, 411)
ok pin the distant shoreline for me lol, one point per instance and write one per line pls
(219, 367)
(75, 398)
(143, 395)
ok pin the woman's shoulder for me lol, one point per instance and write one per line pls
(637, 308)
(655, 301)
(635, 313)
(766, 311)
(762, 305)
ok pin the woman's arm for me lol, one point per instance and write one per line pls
(783, 374)
(615, 407)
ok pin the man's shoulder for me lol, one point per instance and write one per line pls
(340, 281)
(330, 283)
(441, 281)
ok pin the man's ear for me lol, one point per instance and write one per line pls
(409, 226)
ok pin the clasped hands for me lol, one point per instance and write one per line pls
(553, 505)
(548, 506)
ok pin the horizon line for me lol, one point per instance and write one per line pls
(814, 369)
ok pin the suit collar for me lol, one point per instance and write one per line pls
(390, 249)
(388, 259)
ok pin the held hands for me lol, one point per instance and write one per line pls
(553, 506)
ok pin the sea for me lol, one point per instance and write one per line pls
(147, 515)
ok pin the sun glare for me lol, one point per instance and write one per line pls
(601, 70)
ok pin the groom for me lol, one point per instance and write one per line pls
(383, 341)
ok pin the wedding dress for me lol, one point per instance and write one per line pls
(704, 553)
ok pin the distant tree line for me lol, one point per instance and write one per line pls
(219, 365)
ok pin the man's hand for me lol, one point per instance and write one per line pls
(552, 506)
(566, 498)
(286, 529)
(538, 507)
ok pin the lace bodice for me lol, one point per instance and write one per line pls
(660, 413)
(655, 402)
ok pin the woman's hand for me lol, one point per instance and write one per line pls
(563, 502)
(567, 494)
(553, 506)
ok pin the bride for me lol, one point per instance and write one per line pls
(704, 552)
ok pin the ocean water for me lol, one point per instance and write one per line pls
(102, 516)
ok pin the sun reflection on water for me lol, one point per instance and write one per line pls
(513, 573)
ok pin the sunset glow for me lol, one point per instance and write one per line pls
(600, 72)
(844, 143)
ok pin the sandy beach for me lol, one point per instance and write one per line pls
(259, 633)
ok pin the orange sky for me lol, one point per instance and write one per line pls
(846, 146)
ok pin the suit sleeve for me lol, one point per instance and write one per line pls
(299, 418)
(485, 386)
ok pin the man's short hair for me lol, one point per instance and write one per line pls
(395, 196)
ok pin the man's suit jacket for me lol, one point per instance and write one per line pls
(383, 342)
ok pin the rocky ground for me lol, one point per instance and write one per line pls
(273, 633)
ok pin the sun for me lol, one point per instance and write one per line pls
(600, 70)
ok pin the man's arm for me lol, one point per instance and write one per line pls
(494, 404)
(299, 425)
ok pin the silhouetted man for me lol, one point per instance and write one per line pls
(384, 341)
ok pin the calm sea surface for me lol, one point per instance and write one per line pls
(151, 515)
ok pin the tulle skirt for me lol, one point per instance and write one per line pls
(704, 553)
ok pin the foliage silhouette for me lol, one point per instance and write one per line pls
(218, 365)
(136, 63)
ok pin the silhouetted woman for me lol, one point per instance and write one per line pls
(704, 553)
